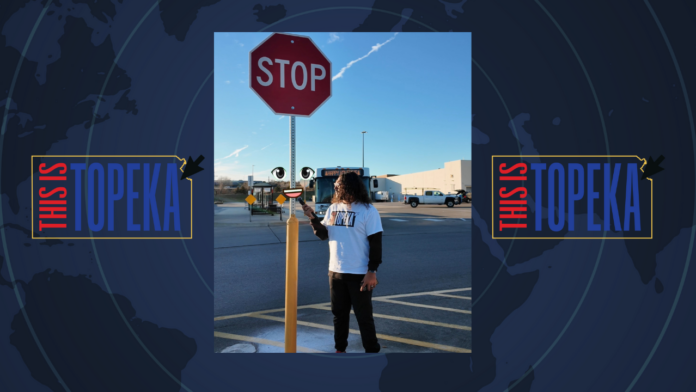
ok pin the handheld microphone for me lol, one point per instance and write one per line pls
(299, 199)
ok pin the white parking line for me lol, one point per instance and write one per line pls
(421, 293)
(399, 220)
(410, 320)
(421, 305)
(434, 220)
(451, 296)
(385, 299)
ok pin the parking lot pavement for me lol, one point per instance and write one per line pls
(418, 255)
(235, 236)
(405, 211)
(422, 322)
(424, 304)
(236, 214)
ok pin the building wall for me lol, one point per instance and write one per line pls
(458, 175)
(455, 175)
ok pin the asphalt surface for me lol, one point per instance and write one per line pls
(425, 249)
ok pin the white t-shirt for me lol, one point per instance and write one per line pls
(348, 226)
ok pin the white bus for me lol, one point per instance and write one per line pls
(324, 185)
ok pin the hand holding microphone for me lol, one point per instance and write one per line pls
(307, 209)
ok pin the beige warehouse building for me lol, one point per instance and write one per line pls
(455, 175)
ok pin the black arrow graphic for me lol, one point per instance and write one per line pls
(192, 166)
(652, 168)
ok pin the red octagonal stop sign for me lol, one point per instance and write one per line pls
(290, 74)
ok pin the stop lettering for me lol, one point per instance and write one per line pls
(297, 64)
(290, 74)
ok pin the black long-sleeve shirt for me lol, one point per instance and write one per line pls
(374, 240)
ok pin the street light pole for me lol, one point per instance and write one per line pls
(363, 161)
(251, 188)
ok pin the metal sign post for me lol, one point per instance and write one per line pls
(292, 244)
(292, 252)
(250, 200)
(281, 199)
(296, 90)
(250, 184)
(292, 162)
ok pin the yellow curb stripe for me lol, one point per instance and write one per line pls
(406, 319)
(422, 306)
(380, 336)
(451, 296)
(267, 342)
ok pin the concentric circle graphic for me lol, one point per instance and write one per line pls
(94, 245)
(687, 262)
(2, 220)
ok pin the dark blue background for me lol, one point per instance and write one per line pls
(134, 77)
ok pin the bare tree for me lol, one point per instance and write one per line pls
(242, 188)
(222, 182)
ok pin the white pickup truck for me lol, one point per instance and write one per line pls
(431, 197)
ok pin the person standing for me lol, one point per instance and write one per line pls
(354, 230)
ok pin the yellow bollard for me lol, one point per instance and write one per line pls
(291, 285)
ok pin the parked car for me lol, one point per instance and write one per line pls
(381, 196)
(464, 195)
(430, 197)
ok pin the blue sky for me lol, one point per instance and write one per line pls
(412, 95)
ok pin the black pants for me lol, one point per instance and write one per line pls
(345, 292)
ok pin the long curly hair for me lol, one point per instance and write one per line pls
(352, 190)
